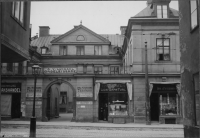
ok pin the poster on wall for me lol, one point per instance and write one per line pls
(30, 93)
(84, 91)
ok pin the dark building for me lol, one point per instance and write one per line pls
(15, 40)
(189, 47)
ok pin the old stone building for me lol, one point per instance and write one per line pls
(157, 26)
(189, 46)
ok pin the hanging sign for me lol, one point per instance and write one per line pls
(11, 87)
(59, 70)
(113, 87)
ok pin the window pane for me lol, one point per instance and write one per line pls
(166, 50)
(159, 14)
(82, 51)
(194, 19)
(164, 7)
(159, 7)
(164, 13)
(159, 42)
(160, 50)
(100, 50)
(17, 10)
(22, 13)
(95, 50)
(166, 42)
(193, 5)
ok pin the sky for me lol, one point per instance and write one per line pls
(102, 17)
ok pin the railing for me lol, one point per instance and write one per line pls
(14, 70)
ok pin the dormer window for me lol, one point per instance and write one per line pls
(44, 50)
(162, 11)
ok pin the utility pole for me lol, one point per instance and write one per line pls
(0, 57)
(147, 88)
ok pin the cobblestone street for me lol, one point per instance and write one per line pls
(92, 132)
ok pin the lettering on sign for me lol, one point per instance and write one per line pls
(84, 102)
(30, 89)
(113, 87)
(164, 87)
(11, 87)
(32, 94)
(84, 91)
(59, 70)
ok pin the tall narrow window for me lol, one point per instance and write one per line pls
(162, 11)
(114, 70)
(18, 11)
(194, 13)
(79, 50)
(98, 69)
(97, 50)
(163, 49)
(63, 50)
(20, 68)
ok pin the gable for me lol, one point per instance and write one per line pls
(80, 34)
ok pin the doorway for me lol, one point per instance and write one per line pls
(103, 106)
(154, 103)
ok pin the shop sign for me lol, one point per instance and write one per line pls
(32, 94)
(59, 70)
(31, 102)
(113, 87)
(164, 87)
(30, 89)
(84, 102)
(84, 91)
(11, 87)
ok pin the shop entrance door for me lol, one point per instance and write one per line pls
(16, 105)
(154, 102)
(103, 106)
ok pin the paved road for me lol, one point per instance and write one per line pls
(92, 132)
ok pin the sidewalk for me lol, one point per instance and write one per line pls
(88, 124)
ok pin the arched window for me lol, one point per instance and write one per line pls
(80, 38)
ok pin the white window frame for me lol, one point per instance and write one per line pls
(161, 14)
(18, 11)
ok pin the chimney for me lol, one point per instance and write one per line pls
(44, 31)
(123, 30)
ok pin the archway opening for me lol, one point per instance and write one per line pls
(60, 102)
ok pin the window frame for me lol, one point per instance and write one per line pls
(82, 47)
(19, 19)
(197, 17)
(162, 13)
(98, 71)
(115, 66)
(99, 49)
(163, 46)
(62, 49)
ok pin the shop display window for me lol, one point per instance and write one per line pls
(118, 103)
(169, 104)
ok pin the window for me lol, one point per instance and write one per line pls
(163, 49)
(196, 98)
(162, 11)
(98, 70)
(44, 49)
(79, 50)
(97, 50)
(114, 70)
(80, 38)
(10, 67)
(20, 67)
(63, 50)
(18, 11)
(194, 13)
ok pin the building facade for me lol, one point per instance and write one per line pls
(189, 44)
(15, 40)
(158, 85)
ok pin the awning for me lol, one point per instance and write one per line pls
(175, 83)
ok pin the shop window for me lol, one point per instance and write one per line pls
(194, 13)
(118, 103)
(169, 104)
(10, 67)
(114, 70)
(63, 50)
(162, 11)
(163, 49)
(18, 11)
(98, 69)
(97, 50)
(80, 50)
(197, 97)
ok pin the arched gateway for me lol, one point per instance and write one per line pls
(44, 98)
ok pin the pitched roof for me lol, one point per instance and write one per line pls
(77, 28)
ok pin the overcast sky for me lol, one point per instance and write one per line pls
(102, 17)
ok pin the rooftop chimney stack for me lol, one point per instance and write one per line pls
(44, 31)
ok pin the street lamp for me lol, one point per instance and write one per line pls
(147, 88)
(36, 72)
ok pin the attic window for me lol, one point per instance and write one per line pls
(80, 38)
(162, 11)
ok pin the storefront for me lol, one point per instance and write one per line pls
(165, 102)
(114, 101)
(11, 100)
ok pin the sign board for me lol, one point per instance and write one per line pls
(59, 70)
(30, 89)
(84, 91)
(11, 87)
(113, 87)
(164, 87)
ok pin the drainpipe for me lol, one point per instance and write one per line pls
(0, 57)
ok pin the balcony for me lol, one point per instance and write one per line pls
(14, 70)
